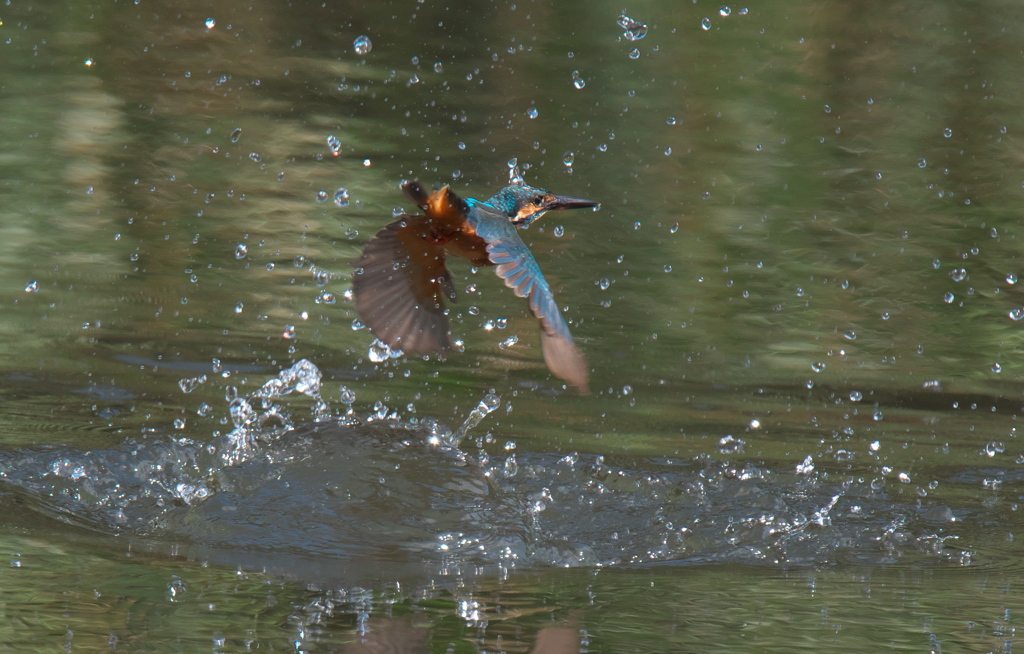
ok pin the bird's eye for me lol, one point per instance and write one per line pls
(538, 199)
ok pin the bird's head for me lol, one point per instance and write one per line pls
(524, 204)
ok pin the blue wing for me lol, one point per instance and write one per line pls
(516, 266)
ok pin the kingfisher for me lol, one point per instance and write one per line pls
(401, 280)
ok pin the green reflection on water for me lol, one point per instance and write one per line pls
(830, 170)
(71, 594)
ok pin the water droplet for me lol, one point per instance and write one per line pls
(235, 134)
(532, 112)
(674, 228)
(922, 163)
(438, 67)
(289, 331)
(828, 109)
(240, 307)
(947, 132)
(508, 342)
(320, 277)
(568, 158)
(559, 231)
(1011, 279)
(241, 251)
(348, 396)
(958, 274)
(850, 335)
(877, 415)
(89, 62)
(633, 30)
(818, 366)
(724, 10)
(856, 396)
(334, 145)
(511, 467)
(996, 367)
(341, 197)
(362, 45)
(744, 11)
(189, 384)
(321, 196)
(705, 24)
(210, 23)
(671, 120)
(578, 81)
(32, 287)
(728, 444)
(885, 315)
(603, 283)
(806, 467)
(634, 53)
(514, 174)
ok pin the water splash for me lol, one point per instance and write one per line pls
(633, 30)
(383, 489)
(380, 351)
(514, 175)
(452, 440)
(189, 384)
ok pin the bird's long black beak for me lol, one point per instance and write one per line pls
(555, 202)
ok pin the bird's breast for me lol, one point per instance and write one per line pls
(467, 244)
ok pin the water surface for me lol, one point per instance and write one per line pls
(800, 301)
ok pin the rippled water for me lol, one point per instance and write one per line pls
(346, 503)
(351, 489)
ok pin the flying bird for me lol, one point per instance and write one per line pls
(401, 281)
